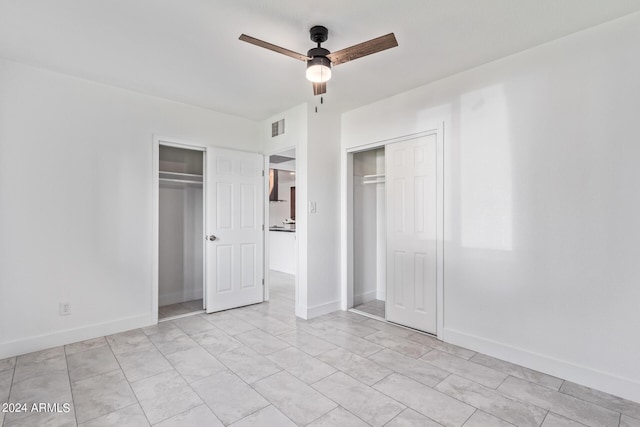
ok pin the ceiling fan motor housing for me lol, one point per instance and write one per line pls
(319, 66)
(319, 34)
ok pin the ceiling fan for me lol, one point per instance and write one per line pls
(319, 60)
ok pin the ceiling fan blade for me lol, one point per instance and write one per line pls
(319, 88)
(273, 47)
(363, 49)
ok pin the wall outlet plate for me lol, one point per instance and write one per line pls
(64, 308)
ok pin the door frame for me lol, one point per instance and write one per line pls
(267, 221)
(348, 218)
(155, 232)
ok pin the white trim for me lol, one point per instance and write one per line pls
(265, 227)
(365, 297)
(69, 336)
(319, 310)
(180, 316)
(440, 164)
(593, 378)
(181, 296)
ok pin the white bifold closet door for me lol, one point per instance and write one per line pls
(411, 181)
(234, 247)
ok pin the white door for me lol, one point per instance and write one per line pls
(411, 181)
(234, 259)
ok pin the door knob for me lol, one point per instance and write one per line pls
(211, 237)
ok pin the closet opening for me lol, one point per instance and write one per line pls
(180, 232)
(281, 217)
(395, 228)
(369, 231)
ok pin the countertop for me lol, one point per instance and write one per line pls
(286, 229)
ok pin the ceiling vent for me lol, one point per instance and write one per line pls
(277, 128)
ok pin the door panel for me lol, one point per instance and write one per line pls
(411, 178)
(234, 260)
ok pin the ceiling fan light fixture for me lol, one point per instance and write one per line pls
(318, 69)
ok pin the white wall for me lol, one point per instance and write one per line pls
(294, 136)
(316, 138)
(541, 202)
(76, 202)
(322, 164)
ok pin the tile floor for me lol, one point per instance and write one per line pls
(374, 307)
(179, 309)
(260, 366)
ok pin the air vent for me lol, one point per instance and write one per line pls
(277, 128)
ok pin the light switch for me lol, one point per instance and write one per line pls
(312, 207)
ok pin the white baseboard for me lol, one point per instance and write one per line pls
(68, 336)
(365, 297)
(593, 378)
(179, 296)
(319, 310)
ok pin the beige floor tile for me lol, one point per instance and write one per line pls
(164, 396)
(196, 417)
(85, 345)
(128, 341)
(101, 395)
(482, 419)
(339, 417)
(141, 364)
(302, 366)
(606, 400)
(262, 342)
(416, 369)
(464, 368)
(269, 416)
(559, 403)
(492, 402)
(411, 418)
(363, 401)
(358, 367)
(131, 416)
(195, 364)
(425, 400)
(517, 371)
(248, 365)
(295, 399)
(89, 363)
(230, 398)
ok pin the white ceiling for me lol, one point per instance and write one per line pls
(188, 50)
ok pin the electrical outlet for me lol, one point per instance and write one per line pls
(65, 308)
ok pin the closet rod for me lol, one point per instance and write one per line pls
(182, 181)
(379, 181)
(181, 174)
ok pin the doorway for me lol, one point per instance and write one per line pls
(212, 257)
(180, 231)
(395, 231)
(369, 236)
(281, 217)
